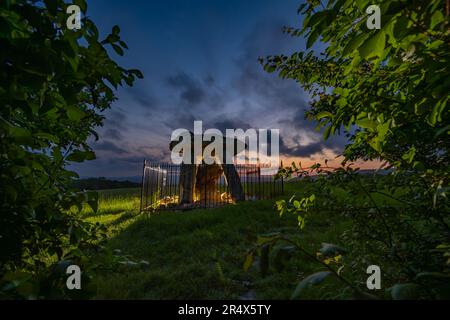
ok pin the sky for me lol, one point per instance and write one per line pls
(200, 62)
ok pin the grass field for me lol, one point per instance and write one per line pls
(199, 254)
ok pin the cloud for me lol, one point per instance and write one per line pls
(183, 119)
(300, 151)
(190, 90)
(109, 147)
(242, 95)
(224, 124)
(305, 138)
(274, 102)
(113, 134)
(200, 98)
(209, 80)
(116, 119)
(144, 99)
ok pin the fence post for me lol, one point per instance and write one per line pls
(282, 179)
(142, 185)
(259, 182)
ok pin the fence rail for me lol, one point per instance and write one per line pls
(167, 186)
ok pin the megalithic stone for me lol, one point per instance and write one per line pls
(189, 173)
(188, 177)
(206, 187)
(234, 182)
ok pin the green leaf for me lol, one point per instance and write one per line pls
(269, 237)
(116, 30)
(374, 46)
(436, 114)
(312, 39)
(324, 114)
(92, 200)
(137, 73)
(80, 156)
(443, 130)
(339, 193)
(341, 91)
(302, 6)
(327, 132)
(123, 44)
(436, 19)
(74, 113)
(311, 280)
(366, 123)
(270, 68)
(18, 132)
(47, 136)
(117, 49)
(249, 261)
(301, 221)
(316, 19)
(362, 4)
(409, 155)
(82, 4)
(354, 43)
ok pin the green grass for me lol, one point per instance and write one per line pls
(113, 203)
(199, 254)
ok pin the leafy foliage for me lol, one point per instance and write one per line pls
(387, 90)
(54, 84)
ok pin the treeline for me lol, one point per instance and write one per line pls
(102, 184)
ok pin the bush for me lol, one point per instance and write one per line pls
(387, 90)
(54, 84)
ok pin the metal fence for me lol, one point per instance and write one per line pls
(167, 186)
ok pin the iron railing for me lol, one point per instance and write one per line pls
(167, 186)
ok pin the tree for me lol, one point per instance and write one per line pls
(54, 85)
(388, 90)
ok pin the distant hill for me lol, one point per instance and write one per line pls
(103, 183)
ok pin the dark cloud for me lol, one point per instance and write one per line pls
(184, 119)
(113, 134)
(209, 80)
(145, 99)
(297, 123)
(296, 120)
(272, 93)
(224, 124)
(190, 90)
(116, 120)
(130, 160)
(300, 151)
(282, 99)
(109, 147)
(227, 90)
